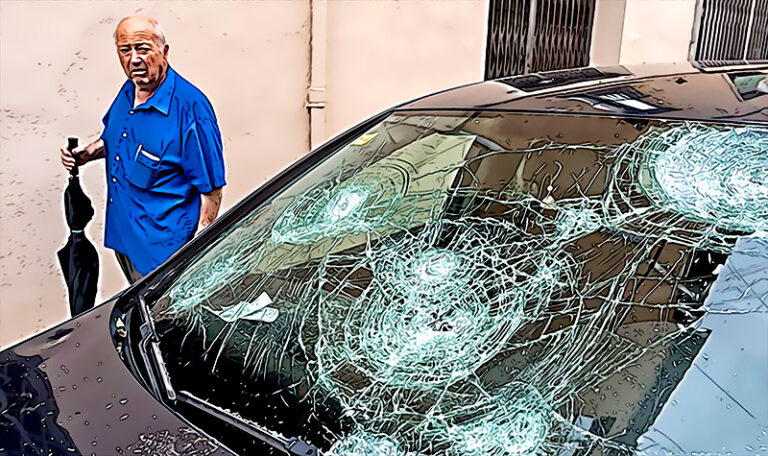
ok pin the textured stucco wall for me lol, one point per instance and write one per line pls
(59, 72)
(386, 52)
(607, 29)
(642, 31)
(657, 31)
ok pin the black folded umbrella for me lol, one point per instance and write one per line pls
(78, 259)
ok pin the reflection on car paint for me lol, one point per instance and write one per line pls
(622, 100)
(29, 422)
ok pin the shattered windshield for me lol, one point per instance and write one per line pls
(476, 284)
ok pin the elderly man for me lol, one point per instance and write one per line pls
(163, 151)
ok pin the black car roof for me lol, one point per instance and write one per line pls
(671, 91)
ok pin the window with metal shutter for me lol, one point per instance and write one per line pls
(526, 36)
(730, 32)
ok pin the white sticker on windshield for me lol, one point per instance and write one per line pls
(257, 310)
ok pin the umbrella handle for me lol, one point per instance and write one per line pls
(72, 143)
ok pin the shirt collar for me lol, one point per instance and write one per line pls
(161, 99)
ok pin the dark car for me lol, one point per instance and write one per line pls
(566, 263)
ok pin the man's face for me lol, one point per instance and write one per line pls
(143, 59)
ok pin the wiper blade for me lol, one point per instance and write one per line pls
(149, 346)
(292, 446)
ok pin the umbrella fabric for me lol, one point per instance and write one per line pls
(78, 259)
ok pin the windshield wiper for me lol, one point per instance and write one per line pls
(292, 446)
(149, 348)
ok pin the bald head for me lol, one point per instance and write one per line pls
(143, 52)
(141, 22)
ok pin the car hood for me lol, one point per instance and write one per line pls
(66, 391)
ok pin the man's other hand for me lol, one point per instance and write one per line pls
(209, 207)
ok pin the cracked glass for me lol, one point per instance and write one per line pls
(486, 283)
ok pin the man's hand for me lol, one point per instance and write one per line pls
(209, 207)
(82, 155)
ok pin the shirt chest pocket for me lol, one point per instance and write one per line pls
(145, 166)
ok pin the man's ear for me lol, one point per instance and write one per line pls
(165, 50)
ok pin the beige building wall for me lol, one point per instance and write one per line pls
(657, 31)
(59, 72)
(607, 30)
(642, 31)
(382, 53)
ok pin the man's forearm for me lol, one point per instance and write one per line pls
(92, 151)
(209, 206)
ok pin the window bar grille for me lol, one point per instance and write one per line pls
(527, 36)
(730, 32)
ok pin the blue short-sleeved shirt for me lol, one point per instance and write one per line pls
(160, 156)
